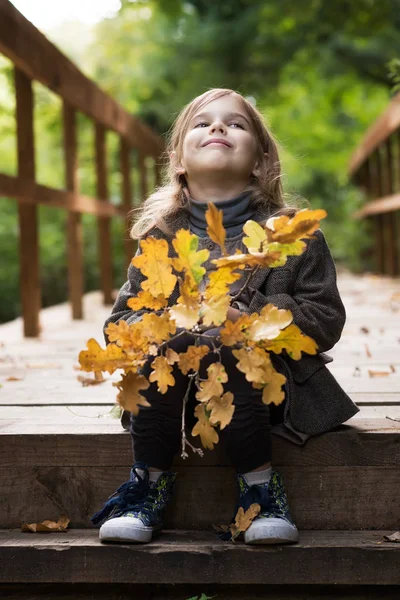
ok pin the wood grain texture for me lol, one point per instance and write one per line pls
(336, 558)
(329, 498)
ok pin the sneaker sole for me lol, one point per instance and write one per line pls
(121, 532)
(270, 533)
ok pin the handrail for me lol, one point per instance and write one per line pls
(35, 58)
(375, 168)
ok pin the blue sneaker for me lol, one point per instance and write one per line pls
(273, 524)
(135, 511)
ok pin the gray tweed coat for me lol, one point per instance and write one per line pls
(306, 284)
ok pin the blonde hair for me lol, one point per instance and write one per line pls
(170, 198)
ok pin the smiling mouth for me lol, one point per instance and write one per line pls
(218, 143)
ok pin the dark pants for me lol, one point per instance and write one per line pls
(156, 430)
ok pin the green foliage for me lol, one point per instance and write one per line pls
(320, 72)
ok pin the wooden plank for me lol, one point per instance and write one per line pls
(330, 498)
(28, 218)
(337, 558)
(143, 176)
(104, 224)
(31, 194)
(74, 227)
(39, 59)
(103, 442)
(127, 591)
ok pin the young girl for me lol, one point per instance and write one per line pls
(221, 151)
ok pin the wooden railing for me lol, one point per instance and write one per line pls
(375, 168)
(36, 58)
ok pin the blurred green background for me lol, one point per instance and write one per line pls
(318, 71)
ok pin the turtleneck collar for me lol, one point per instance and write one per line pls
(236, 211)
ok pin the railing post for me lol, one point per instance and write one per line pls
(28, 217)
(74, 227)
(126, 195)
(142, 175)
(104, 233)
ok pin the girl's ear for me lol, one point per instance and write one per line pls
(176, 164)
(256, 170)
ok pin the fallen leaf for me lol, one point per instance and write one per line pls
(367, 351)
(378, 373)
(395, 537)
(14, 379)
(43, 366)
(46, 526)
(357, 372)
(243, 520)
(364, 329)
(392, 368)
(86, 381)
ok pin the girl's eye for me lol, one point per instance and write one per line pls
(205, 123)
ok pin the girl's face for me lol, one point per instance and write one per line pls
(235, 158)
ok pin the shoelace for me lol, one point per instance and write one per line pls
(131, 495)
(256, 494)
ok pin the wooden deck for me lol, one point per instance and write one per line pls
(40, 390)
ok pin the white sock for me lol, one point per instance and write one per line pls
(153, 475)
(256, 477)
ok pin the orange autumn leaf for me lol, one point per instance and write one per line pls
(156, 265)
(222, 409)
(243, 520)
(129, 397)
(162, 374)
(204, 429)
(212, 386)
(215, 228)
(47, 526)
(190, 360)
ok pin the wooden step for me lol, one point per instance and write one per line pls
(200, 558)
(344, 479)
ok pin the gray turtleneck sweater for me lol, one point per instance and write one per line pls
(236, 211)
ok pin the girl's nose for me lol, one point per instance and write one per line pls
(219, 126)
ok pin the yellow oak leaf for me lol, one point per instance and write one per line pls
(222, 409)
(95, 358)
(157, 328)
(186, 312)
(272, 391)
(270, 322)
(145, 299)
(215, 228)
(162, 374)
(189, 258)
(129, 397)
(212, 386)
(232, 332)
(293, 341)
(287, 230)
(214, 310)
(243, 519)
(219, 281)
(190, 360)
(254, 363)
(156, 265)
(127, 336)
(204, 429)
(256, 238)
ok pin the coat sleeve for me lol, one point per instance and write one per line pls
(315, 301)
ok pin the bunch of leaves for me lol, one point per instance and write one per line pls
(252, 336)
